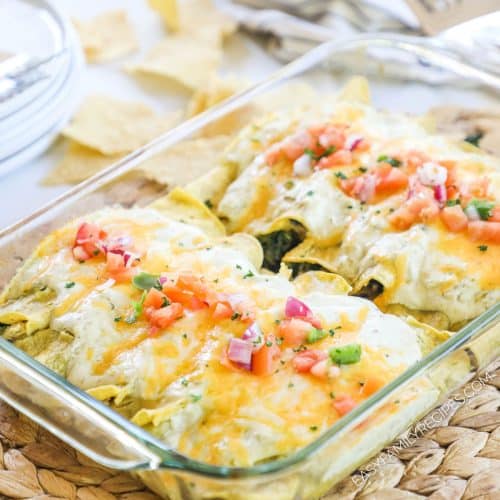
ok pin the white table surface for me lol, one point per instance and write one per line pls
(21, 191)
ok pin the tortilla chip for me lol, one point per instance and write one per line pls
(78, 163)
(169, 12)
(320, 281)
(183, 207)
(182, 58)
(116, 127)
(201, 19)
(356, 89)
(184, 162)
(107, 36)
(247, 245)
(217, 89)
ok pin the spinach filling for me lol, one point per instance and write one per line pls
(371, 290)
(303, 267)
(276, 244)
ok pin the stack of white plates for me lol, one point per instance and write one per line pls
(30, 121)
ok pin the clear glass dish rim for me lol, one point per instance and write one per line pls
(166, 457)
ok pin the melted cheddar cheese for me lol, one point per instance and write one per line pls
(174, 381)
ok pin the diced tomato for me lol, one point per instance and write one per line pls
(294, 331)
(89, 237)
(454, 218)
(414, 160)
(154, 299)
(165, 316)
(184, 297)
(80, 254)
(115, 266)
(390, 180)
(265, 360)
(340, 157)
(305, 360)
(273, 154)
(222, 311)
(348, 185)
(114, 263)
(484, 231)
(495, 214)
(420, 208)
(294, 146)
(332, 136)
(479, 187)
(193, 283)
(343, 404)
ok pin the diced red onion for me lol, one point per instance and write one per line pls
(295, 308)
(353, 141)
(440, 193)
(367, 189)
(302, 166)
(472, 213)
(432, 174)
(129, 258)
(240, 351)
(254, 335)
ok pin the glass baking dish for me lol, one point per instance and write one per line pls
(405, 75)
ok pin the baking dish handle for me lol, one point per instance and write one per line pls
(74, 417)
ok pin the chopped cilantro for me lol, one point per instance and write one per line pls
(269, 343)
(137, 309)
(96, 252)
(331, 331)
(363, 169)
(483, 207)
(117, 318)
(165, 302)
(238, 266)
(235, 316)
(145, 281)
(328, 151)
(474, 138)
(310, 193)
(340, 175)
(346, 354)
(314, 427)
(290, 385)
(361, 383)
(289, 184)
(209, 204)
(316, 334)
(390, 160)
(184, 335)
(195, 397)
(184, 382)
(249, 274)
(332, 395)
(452, 203)
(70, 284)
(483, 248)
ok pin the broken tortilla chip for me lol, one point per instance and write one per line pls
(182, 58)
(202, 19)
(116, 127)
(107, 36)
(184, 162)
(168, 11)
(78, 163)
(216, 90)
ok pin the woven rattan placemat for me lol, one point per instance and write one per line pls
(456, 456)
